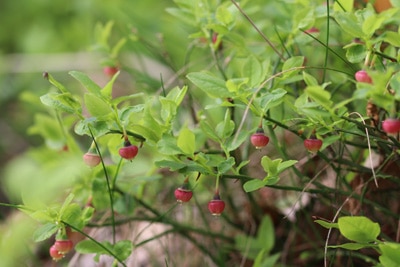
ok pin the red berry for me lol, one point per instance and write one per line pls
(91, 159)
(55, 254)
(63, 246)
(183, 195)
(259, 139)
(312, 144)
(129, 151)
(216, 206)
(110, 70)
(362, 76)
(391, 126)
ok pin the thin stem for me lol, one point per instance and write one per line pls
(96, 242)
(327, 41)
(258, 30)
(110, 193)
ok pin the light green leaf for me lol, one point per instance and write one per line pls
(168, 146)
(286, 164)
(293, 62)
(252, 69)
(210, 84)
(358, 229)
(266, 234)
(89, 247)
(186, 141)
(44, 232)
(273, 98)
(96, 106)
(326, 224)
(90, 85)
(177, 94)
(63, 102)
(226, 127)
(208, 130)
(356, 53)
(319, 95)
(353, 246)
(349, 23)
(225, 165)
(347, 5)
(309, 79)
(107, 90)
(270, 166)
(390, 254)
(253, 185)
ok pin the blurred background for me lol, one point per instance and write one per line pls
(57, 37)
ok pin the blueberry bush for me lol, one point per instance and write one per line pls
(257, 133)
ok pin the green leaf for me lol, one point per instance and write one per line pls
(210, 84)
(186, 141)
(177, 94)
(349, 23)
(225, 165)
(286, 164)
(327, 225)
(347, 5)
(168, 146)
(209, 130)
(272, 99)
(293, 62)
(353, 246)
(90, 85)
(120, 99)
(172, 165)
(225, 128)
(72, 215)
(266, 234)
(309, 79)
(319, 95)
(123, 249)
(358, 229)
(66, 203)
(356, 53)
(224, 16)
(392, 38)
(89, 247)
(232, 142)
(271, 179)
(63, 102)
(98, 128)
(371, 24)
(44, 232)
(107, 90)
(252, 69)
(57, 84)
(253, 185)
(270, 166)
(390, 254)
(168, 110)
(96, 106)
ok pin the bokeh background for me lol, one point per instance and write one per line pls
(57, 37)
